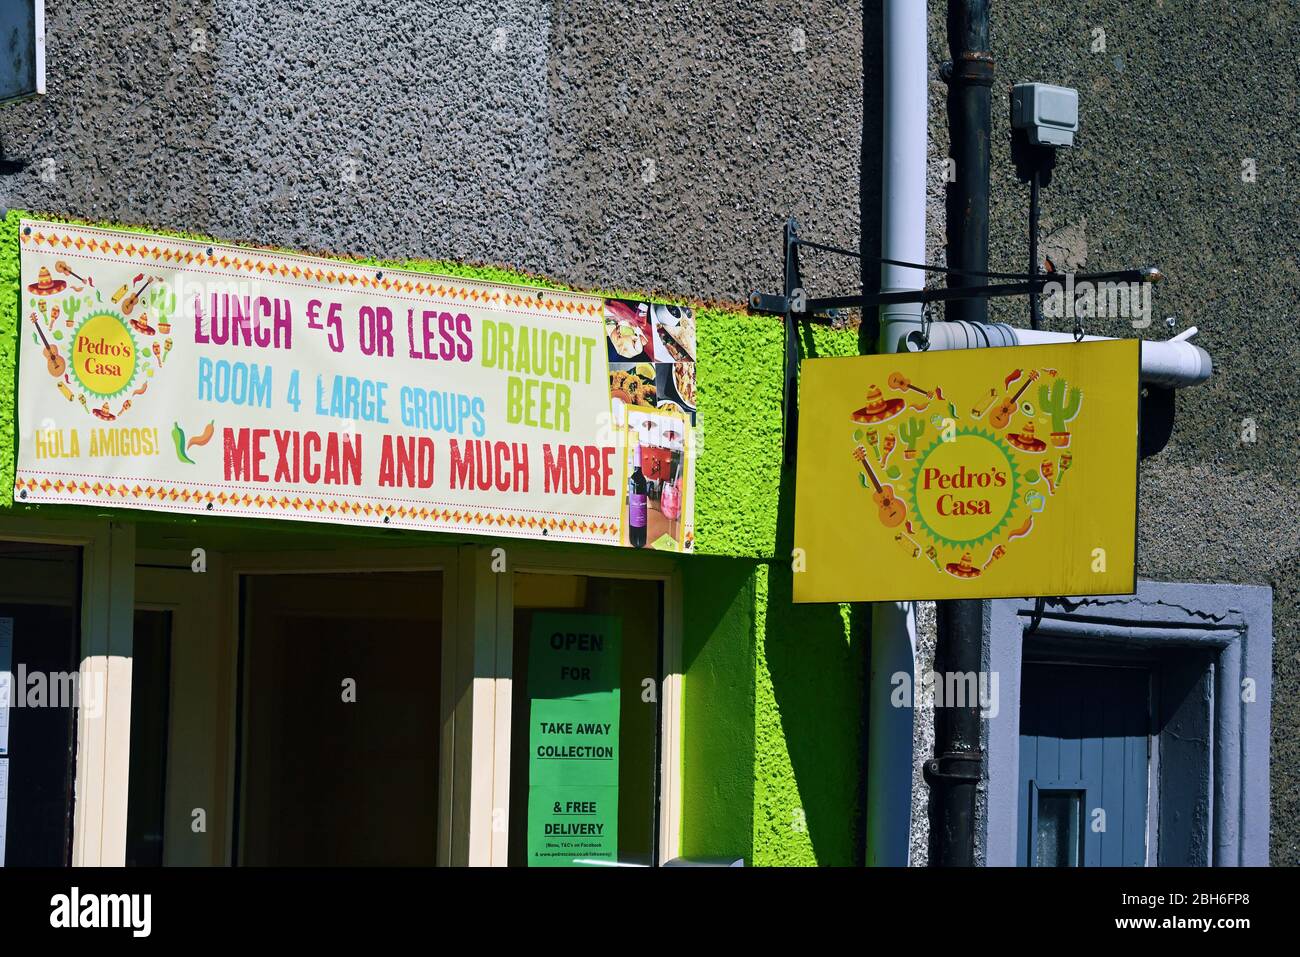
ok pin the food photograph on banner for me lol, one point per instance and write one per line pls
(162, 373)
(652, 393)
(969, 474)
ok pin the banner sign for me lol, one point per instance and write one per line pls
(573, 684)
(191, 377)
(981, 473)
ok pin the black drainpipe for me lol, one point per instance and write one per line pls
(955, 771)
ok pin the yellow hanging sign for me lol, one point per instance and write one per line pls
(986, 473)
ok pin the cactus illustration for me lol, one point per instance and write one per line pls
(163, 303)
(71, 306)
(1062, 404)
(910, 431)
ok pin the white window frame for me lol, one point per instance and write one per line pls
(103, 745)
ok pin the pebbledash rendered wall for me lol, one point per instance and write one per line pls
(659, 146)
(1187, 158)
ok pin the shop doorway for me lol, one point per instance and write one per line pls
(339, 718)
(594, 739)
(1085, 755)
(1127, 727)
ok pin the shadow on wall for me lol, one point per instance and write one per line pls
(810, 687)
(870, 167)
(718, 668)
(816, 662)
(813, 659)
(772, 709)
(773, 705)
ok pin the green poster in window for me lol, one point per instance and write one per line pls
(574, 663)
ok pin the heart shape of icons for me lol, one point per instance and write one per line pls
(958, 479)
(101, 354)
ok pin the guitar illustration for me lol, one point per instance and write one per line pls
(54, 363)
(901, 383)
(66, 270)
(130, 301)
(892, 511)
(1001, 415)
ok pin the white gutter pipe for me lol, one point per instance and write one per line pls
(890, 757)
(1175, 362)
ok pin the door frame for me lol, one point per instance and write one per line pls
(195, 771)
(1219, 635)
(103, 741)
(452, 786)
(474, 774)
(632, 565)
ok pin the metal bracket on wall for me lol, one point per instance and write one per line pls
(953, 767)
(793, 289)
(794, 305)
(819, 309)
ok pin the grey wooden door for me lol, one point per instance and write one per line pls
(1084, 756)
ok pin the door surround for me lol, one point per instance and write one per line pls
(1232, 624)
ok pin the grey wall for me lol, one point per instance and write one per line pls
(1184, 92)
(649, 145)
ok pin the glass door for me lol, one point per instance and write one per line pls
(340, 718)
(585, 743)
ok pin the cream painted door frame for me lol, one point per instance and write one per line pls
(625, 564)
(478, 615)
(453, 783)
(107, 622)
(194, 817)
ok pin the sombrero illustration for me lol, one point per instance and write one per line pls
(46, 285)
(878, 408)
(963, 568)
(1027, 440)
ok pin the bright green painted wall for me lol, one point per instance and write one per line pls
(777, 688)
(718, 657)
(772, 736)
(8, 345)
